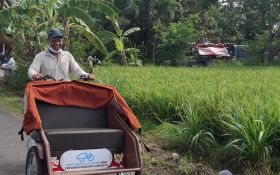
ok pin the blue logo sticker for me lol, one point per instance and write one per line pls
(85, 156)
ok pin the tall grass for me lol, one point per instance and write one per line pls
(253, 134)
(238, 106)
(190, 133)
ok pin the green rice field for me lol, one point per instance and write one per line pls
(165, 92)
(232, 112)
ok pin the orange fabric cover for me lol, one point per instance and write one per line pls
(72, 93)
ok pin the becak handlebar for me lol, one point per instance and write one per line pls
(48, 77)
(85, 77)
(39, 77)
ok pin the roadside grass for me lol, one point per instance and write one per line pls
(11, 101)
(159, 160)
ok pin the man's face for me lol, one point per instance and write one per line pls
(56, 43)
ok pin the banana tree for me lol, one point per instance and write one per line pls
(120, 38)
(52, 12)
(5, 4)
(21, 25)
(84, 23)
(69, 11)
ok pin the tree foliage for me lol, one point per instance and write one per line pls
(226, 21)
(174, 40)
(29, 20)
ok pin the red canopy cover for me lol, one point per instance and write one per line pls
(214, 50)
(72, 93)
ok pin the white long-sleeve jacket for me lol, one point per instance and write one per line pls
(59, 68)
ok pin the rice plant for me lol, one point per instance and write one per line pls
(190, 132)
(252, 134)
(237, 107)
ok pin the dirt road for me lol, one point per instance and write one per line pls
(12, 149)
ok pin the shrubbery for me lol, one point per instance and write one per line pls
(20, 77)
(173, 41)
(260, 54)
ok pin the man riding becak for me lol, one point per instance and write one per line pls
(55, 62)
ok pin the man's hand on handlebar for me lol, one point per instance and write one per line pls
(37, 77)
(87, 77)
(91, 76)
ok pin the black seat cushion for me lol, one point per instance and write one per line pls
(84, 138)
(54, 116)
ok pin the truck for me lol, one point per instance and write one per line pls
(203, 54)
(238, 51)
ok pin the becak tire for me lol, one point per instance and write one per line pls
(34, 165)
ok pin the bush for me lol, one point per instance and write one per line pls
(256, 50)
(20, 77)
(259, 46)
(173, 41)
(79, 50)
